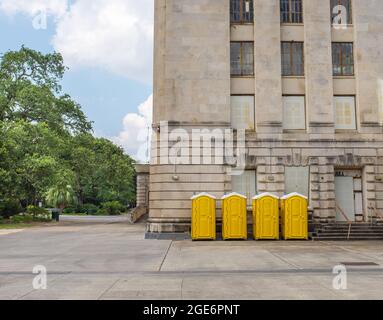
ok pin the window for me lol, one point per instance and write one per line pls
(343, 58)
(345, 115)
(245, 183)
(294, 114)
(291, 11)
(242, 58)
(241, 11)
(292, 59)
(297, 179)
(341, 12)
(242, 112)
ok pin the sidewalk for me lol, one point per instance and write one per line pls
(113, 261)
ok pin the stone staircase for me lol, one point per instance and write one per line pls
(339, 231)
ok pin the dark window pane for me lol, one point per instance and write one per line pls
(242, 11)
(247, 11)
(343, 59)
(235, 57)
(284, 11)
(297, 59)
(235, 13)
(336, 59)
(242, 58)
(292, 59)
(286, 59)
(291, 11)
(248, 58)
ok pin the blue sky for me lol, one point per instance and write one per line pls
(104, 76)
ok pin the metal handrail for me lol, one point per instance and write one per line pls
(347, 219)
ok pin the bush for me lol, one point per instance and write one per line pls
(101, 212)
(10, 208)
(70, 210)
(27, 218)
(112, 208)
(1, 220)
(39, 214)
(88, 208)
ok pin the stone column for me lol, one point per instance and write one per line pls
(318, 67)
(268, 81)
(142, 171)
(368, 46)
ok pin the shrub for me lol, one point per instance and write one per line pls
(101, 212)
(112, 208)
(1, 220)
(10, 208)
(70, 210)
(39, 214)
(22, 218)
(88, 208)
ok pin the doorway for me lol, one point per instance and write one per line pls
(348, 194)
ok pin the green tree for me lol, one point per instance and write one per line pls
(103, 172)
(47, 150)
(30, 90)
(62, 193)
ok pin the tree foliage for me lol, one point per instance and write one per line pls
(47, 149)
(30, 90)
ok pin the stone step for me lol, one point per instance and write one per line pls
(344, 237)
(378, 229)
(345, 234)
(340, 231)
(352, 228)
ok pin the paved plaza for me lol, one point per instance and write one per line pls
(110, 259)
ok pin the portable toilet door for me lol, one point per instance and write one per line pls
(294, 216)
(234, 217)
(266, 217)
(203, 226)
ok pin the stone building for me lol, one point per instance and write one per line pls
(304, 78)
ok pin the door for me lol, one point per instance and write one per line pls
(267, 218)
(344, 195)
(297, 218)
(234, 218)
(203, 218)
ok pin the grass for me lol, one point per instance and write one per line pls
(9, 226)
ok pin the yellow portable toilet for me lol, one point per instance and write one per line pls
(203, 217)
(294, 216)
(234, 217)
(266, 217)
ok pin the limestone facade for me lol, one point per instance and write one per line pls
(193, 88)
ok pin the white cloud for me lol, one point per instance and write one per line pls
(134, 136)
(113, 35)
(33, 7)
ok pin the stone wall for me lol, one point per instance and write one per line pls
(192, 88)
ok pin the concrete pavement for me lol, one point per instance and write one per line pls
(88, 260)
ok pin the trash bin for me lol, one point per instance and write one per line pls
(234, 217)
(203, 217)
(56, 216)
(294, 216)
(266, 217)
